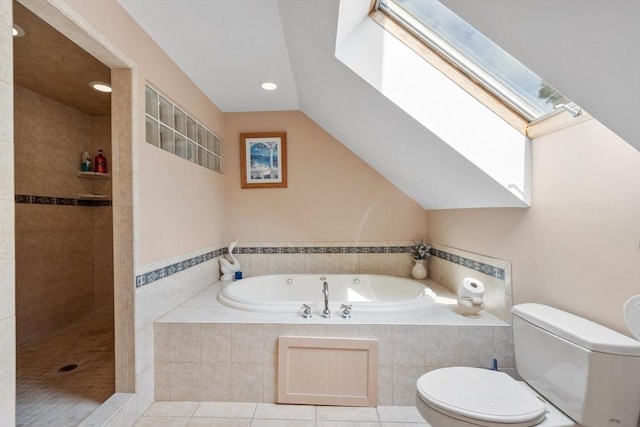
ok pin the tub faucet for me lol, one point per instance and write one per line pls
(326, 313)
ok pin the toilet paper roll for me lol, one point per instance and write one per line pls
(472, 289)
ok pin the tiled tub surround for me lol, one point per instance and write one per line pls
(157, 298)
(204, 351)
(392, 258)
(166, 268)
(261, 259)
(446, 266)
(449, 266)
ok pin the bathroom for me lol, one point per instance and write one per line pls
(582, 215)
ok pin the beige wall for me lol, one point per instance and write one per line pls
(58, 247)
(576, 248)
(332, 194)
(179, 203)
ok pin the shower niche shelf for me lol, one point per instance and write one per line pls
(93, 175)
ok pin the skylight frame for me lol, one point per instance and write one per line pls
(468, 67)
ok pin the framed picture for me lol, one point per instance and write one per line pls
(263, 160)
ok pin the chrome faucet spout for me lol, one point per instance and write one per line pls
(326, 313)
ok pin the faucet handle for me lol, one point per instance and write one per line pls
(306, 311)
(346, 310)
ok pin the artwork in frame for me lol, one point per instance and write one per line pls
(263, 160)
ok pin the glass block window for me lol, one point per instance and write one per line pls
(172, 129)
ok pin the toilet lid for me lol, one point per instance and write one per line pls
(480, 394)
(631, 312)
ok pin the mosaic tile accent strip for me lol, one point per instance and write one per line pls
(65, 201)
(324, 250)
(487, 269)
(169, 270)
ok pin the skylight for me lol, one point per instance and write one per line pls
(478, 57)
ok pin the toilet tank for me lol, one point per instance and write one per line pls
(586, 370)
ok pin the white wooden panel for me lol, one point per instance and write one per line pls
(328, 371)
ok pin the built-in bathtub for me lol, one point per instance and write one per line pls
(208, 351)
(366, 293)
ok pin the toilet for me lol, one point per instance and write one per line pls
(576, 373)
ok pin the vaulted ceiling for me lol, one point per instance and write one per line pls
(228, 47)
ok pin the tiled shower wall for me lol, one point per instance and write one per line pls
(64, 254)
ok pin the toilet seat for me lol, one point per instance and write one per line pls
(480, 396)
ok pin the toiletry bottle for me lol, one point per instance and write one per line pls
(101, 163)
(86, 162)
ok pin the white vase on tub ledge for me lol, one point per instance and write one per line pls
(419, 271)
(227, 268)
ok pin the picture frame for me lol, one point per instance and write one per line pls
(263, 160)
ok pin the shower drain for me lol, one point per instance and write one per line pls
(68, 368)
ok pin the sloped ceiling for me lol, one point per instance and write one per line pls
(228, 47)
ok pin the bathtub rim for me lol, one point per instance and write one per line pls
(424, 300)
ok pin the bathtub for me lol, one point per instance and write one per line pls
(366, 293)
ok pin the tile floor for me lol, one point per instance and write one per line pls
(47, 397)
(233, 414)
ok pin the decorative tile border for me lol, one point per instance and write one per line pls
(324, 250)
(171, 269)
(481, 267)
(166, 271)
(64, 201)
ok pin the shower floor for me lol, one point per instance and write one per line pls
(46, 396)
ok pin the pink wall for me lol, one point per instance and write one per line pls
(179, 201)
(332, 196)
(576, 248)
(180, 205)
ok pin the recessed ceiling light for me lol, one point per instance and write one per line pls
(17, 31)
(268, 86)
(100, 86)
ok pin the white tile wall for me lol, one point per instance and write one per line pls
(180, 356)
(7, 239)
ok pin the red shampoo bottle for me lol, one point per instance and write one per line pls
(101, 163)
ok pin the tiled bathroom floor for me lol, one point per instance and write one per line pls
(47, 397)
(232, 414)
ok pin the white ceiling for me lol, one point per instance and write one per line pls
(227, 47)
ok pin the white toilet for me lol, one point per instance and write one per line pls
(576, 372)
